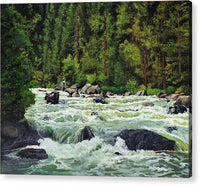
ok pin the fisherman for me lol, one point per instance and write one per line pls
(63, 83)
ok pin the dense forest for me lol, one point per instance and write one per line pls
(119, 46)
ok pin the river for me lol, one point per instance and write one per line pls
(97, 157)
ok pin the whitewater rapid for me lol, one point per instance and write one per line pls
(97, 157)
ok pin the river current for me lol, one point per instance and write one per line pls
(97, 157)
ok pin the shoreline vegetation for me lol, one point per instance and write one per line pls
(117, 46)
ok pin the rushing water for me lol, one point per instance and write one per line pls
(97, 157)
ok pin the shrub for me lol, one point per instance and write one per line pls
(34, 84)
(131, 86)
(170, 90)
(116, 90)
(186, 89)
(91, 78)
(154, 91)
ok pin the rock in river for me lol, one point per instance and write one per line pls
(86, 134)
(176, 109)
(99, 100)
(17, 134)
(33, 153)
(145, 139)
(52, 97)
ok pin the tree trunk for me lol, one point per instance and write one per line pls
(145, 68)
(77, 36)
(179, 45)
(163, 67)
(105, 48)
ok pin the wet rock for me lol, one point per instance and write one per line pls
(177, 109)
(171, 129)
(52, 97)
(148, 104)
(70, 91)
(159, 94)
(99, 100)
(90, 96)
(33, 153)
(173, 96)
(85, 88)
(17, 134)
(100, 118)
(93, 89)
(146, 140)
(103, 94)
(86, 134)
(46, 118)
(109, 93)
(75, 95)
(127, 94)
(118, 153)
(75, 86)
(184, 100)
(94, 114)
(141, 93)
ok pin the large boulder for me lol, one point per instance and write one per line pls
(176, 109)
(127, 94)
(52, 97)
(16, 134)
(141, 93)
(173, 97)
(85, 88)
(146, 140)
(33, 153)
(184, 100)
(161, 95)
(72, 89)
(86, 134)
(94, 89)
(99, 100)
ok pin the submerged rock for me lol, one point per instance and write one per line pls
(99, 100)
(94, 113)
(146, 140)
(33, 153)
(176, 109)
(171, 129)
(148, 104)
(86, 134)
(52, 97)
(100, 118)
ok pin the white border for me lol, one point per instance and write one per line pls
(14, 180)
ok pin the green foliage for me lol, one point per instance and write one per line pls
(70, 69)
(154, 91)
(34, 84)
(116, 90)
(170, 90)
(132, 85)
(186, 89)
(91, 78)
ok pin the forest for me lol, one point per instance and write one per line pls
(119, 46)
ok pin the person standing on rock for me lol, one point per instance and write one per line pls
(63, 83)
